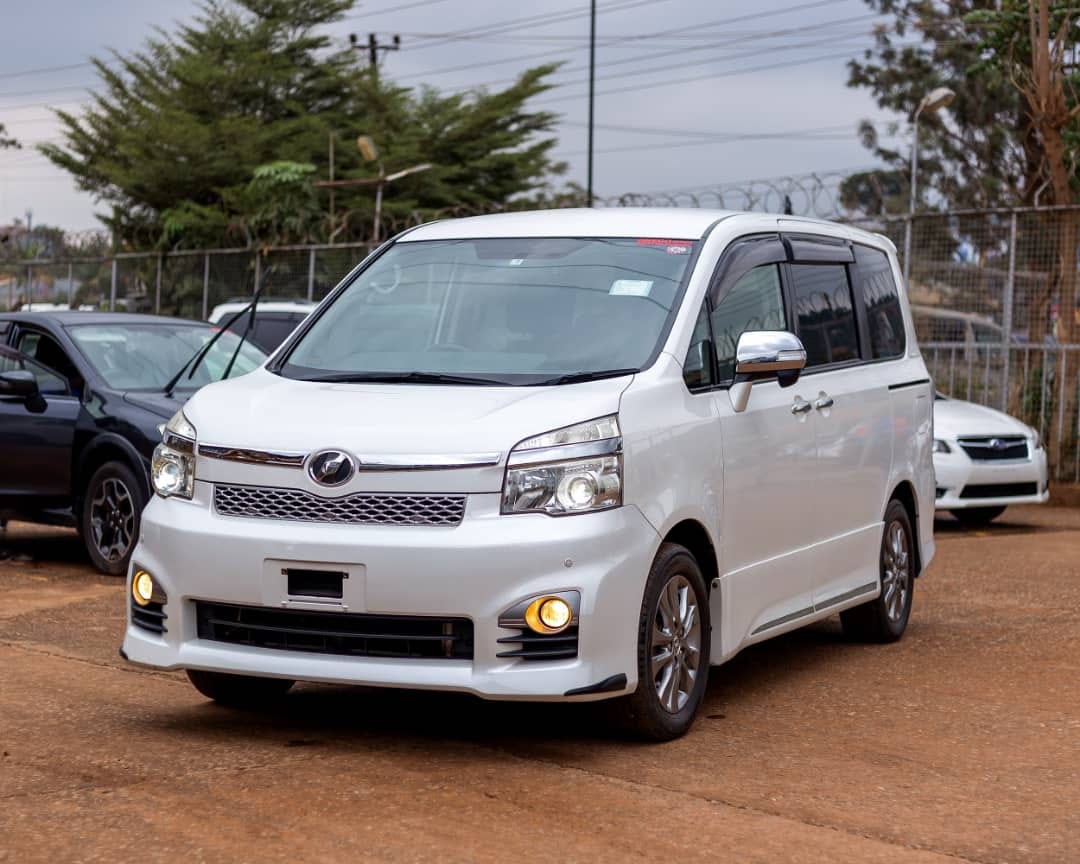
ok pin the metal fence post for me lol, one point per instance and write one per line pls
(258, 270)
(112, 287)
(157, 286)
(907, 253)
(205, 284)
(311, 275)
(71, 283)
(29, 287)
(1007, 313)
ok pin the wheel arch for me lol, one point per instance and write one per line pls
(693, 535)
(905, 493)
(104, 448)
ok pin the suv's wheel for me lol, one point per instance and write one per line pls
(885, 618)
(111, 507)
(673, 647)
(238, 691)
(978, 515)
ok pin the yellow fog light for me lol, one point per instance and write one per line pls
(142, 587)
(548, 615)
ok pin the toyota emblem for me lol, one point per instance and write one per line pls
(331, 468)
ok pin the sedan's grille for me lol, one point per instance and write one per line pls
(989, 448)
(265, 502)
(355, 635)
(999, 490)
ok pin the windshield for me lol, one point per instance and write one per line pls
(498, 311)
(146, 356)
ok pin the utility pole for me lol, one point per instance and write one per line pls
(374, 47)
(592, 99)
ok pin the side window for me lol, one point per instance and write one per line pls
(754, 302)
(49, 383)
(47, 351)
(884, 317)
(826, 316)
(697, 369)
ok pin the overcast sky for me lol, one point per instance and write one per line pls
(685, 88)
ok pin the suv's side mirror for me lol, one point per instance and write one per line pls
(18, 382)
(763, 355)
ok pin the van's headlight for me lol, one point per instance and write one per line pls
(172, 470)
(576, 469)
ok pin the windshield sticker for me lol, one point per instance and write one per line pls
(672, 247)
(631, 287)
(516, 262)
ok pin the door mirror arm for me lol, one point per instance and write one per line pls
(765, 355)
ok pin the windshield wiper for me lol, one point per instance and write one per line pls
(404, 378)
(576, 377)
(195, 359)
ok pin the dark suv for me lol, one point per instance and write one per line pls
(83, 396)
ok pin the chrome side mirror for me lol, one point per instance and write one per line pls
(763, 355)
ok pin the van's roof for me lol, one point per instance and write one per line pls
(673, 223)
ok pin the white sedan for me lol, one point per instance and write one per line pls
(984, 461)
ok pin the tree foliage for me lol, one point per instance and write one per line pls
(215, 134)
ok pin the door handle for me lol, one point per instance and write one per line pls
(801, 406)
(823, 401)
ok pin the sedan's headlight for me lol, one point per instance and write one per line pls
(577, 469)
(1036, 439)
(941, 447)
(172, 470)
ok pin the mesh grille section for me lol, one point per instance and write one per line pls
(265, 502)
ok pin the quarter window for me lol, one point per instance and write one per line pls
(885, 320)
(697, 370)
(754, 302)
(826, 315)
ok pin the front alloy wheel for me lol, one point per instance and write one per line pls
(676, 644)
(673, 647)
(111, 508)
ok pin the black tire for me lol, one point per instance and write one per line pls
(110, 512)
(238, 691)
(885, 618)
(644, 710)
(977, 515)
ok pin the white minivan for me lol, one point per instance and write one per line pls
(566, 455)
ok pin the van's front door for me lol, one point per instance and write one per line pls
(770, 459)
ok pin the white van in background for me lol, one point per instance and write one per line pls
(565, 455)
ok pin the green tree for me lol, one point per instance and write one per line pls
(188, 138)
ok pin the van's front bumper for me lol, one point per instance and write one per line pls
(476, 570)
(963, 482)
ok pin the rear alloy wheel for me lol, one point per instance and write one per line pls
(885, 618)
(111, 508)
(238, 691)
(977, 515)
(673, 647)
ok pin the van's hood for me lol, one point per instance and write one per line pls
(954, 418)
(263, 411)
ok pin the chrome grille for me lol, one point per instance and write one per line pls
(991, 448)
(265, 502)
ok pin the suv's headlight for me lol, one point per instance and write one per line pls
(576, 469)
(172, 470)
(1036, 439)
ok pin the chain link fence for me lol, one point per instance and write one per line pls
(186, 284)
(993, 295)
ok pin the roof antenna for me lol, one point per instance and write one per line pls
(788, 209)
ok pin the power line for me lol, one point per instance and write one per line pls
(400, 8)
(42, 70)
